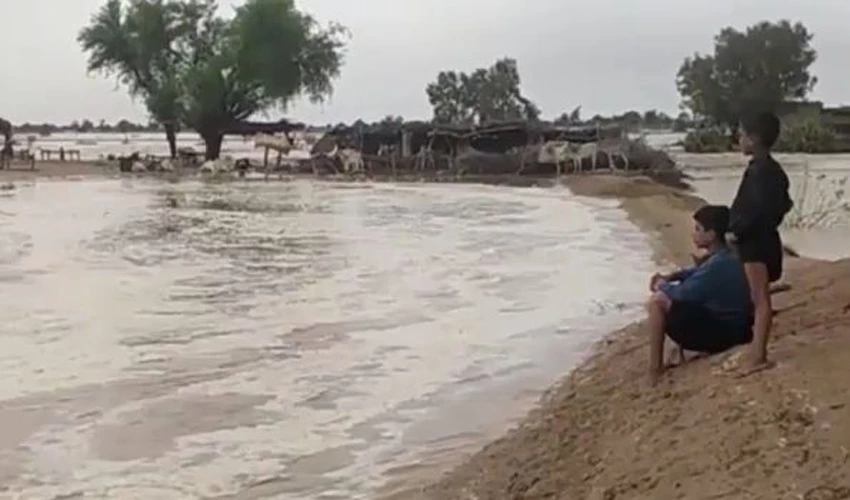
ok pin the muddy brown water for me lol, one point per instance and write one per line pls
(290, 340)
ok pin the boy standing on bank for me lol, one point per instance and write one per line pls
(760, 205)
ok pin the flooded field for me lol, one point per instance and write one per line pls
(286, 340)
(97, 145)
(93, 146)
(819, 223)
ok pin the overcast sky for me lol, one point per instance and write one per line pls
(607, 55)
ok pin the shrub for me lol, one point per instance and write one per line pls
(818, 202)
(707, 140)
(805, 134)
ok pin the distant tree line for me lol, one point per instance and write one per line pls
(193, 68)
(87, 126)
(760, 67)
(493, 94)
(632, 120)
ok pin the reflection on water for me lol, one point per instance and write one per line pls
(291, 340)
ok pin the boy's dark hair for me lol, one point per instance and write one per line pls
(714, 218)
(764, 125)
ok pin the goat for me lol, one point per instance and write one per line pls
(609, 147)
(216, 167)
(425, 158)
(559, 152)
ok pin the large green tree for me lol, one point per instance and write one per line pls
(756, 68)
(196, 68)
(134, 42)
(485, 95)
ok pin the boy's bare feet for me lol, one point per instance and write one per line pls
(675, 356)
(752, 367)
(655, 377)
(740, 365)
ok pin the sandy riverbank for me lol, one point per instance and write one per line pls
(602, 434)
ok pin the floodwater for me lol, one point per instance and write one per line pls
(818, 225)
(93, 146)
(286, 340)
(96, 145)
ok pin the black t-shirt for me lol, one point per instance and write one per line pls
(762, 200)
(760, 205)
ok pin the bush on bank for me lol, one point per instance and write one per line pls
(707, 140)
(806, 135)
(800, 134)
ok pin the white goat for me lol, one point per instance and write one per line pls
(559, 152)
(166, 165)
(609, 147)
(425, 158)
(351, 159)
(216, 167)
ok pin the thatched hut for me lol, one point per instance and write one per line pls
(406, 138)
(501, 137)
(245, 128)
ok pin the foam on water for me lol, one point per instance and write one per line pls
(287, 340)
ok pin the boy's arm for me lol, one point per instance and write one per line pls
(696, 287)
(680, 275)
(761, 203)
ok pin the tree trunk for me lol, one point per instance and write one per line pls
(212, 141)
(171, 137)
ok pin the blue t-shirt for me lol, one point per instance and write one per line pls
(718, 284)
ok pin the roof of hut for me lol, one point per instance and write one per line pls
(493, 137)
(254, 128)
(277, 143)
(500, 137)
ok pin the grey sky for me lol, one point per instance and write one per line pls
(607, 55)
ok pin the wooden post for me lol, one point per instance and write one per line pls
(266, 163)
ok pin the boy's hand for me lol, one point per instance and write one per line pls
(655, 281)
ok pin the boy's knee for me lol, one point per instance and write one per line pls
(657, 302)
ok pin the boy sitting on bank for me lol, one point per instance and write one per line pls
(706, 308)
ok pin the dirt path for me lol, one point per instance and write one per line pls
(602, 434)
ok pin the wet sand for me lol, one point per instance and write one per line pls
(603, 434)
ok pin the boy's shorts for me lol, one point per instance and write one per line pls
(695, 328)
(766, 249)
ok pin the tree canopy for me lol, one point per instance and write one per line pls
(195, 68)
(760, 67)
(485, 95)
